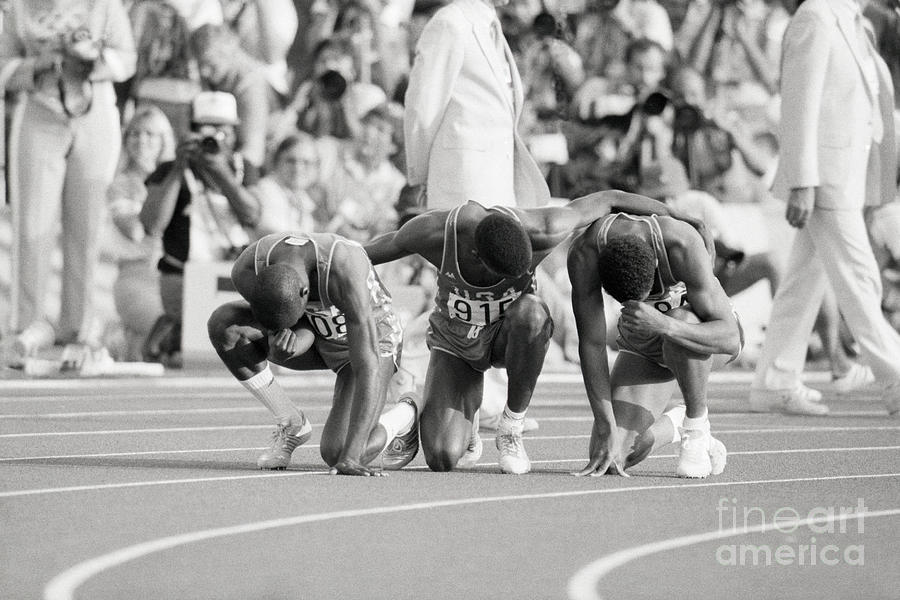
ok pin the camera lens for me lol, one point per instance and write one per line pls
(655, 104)
(210, 145)
(333, 85)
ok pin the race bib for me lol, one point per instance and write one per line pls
(331, 326)
(478, 312)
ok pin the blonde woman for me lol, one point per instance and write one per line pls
(148, 141)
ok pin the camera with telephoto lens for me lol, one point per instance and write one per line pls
(210, 143)
(332, 85)
(687, 117)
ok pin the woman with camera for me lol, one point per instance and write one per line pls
(60, 59)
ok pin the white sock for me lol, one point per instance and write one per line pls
(676, 415)
(398, 420)
(511, 420)
(701, 422)
(268, 391)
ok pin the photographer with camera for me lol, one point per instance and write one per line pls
(199, 203)
(59, 59)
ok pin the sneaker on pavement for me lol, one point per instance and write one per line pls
(513, 458)
(891, 397)
(800, 400)
(285, 440)
(403, 448)
(857, 377)
(694, 460)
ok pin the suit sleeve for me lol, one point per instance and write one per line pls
(438, 61)
(805, 53)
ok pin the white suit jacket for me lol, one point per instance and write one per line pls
(460, 118)
(827, 113)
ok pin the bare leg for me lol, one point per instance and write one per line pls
(453, 392)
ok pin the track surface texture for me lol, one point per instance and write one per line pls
(148, 489)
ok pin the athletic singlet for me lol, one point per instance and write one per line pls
(667, 292)
(467, 304)
(326, 319)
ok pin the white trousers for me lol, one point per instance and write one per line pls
(59, 167)
(832, 248)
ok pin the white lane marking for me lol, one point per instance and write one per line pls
(800, 429)
(82, 488)
(131, 431)
(63, 586)
(315, 446)
(130, 484)
(583, 585)
(150, 412)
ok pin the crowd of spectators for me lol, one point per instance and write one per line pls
(615, 91)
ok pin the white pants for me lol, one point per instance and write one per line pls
(59, 166)
(832, 248)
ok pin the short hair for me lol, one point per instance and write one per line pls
(642, 45)
(627, 268)
(279, 297)
(503, 245)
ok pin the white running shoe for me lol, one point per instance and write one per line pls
(857, 377)
(285, 440)
(473, 453)
(694, 460)
(718, 456)
(800, 400)
(513, 458)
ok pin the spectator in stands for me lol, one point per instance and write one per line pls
(60, 59)
(148, 141)
(290, 195)
(199, 203)
(718, 150)
(164, 64)
(266, 29)
(364, 186)
(730, 43)
(606, 29)
(331, 102)
(225, 67)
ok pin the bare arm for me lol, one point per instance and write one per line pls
(590, 319)
(558, 222)
(351, 296)
(718, 331)
(417, 236)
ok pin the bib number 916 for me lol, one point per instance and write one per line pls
(477, 312)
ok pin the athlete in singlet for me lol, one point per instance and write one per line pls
(675, 320)
(488, 313)
(313, 301)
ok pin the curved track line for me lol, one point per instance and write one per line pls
(583, 585)
(63, 586)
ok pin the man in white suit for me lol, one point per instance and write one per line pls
(461, 109)
(837, 155)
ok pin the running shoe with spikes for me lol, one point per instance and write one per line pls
(285, 439)
(403, 448)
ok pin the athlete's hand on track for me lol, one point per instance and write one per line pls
(604, 459)
(352, 467)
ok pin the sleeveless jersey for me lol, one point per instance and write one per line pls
(469, 307)
(667, 292)
(326, 319)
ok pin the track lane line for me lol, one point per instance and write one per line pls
(583, 585)
(82, 488)
(63, 585)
